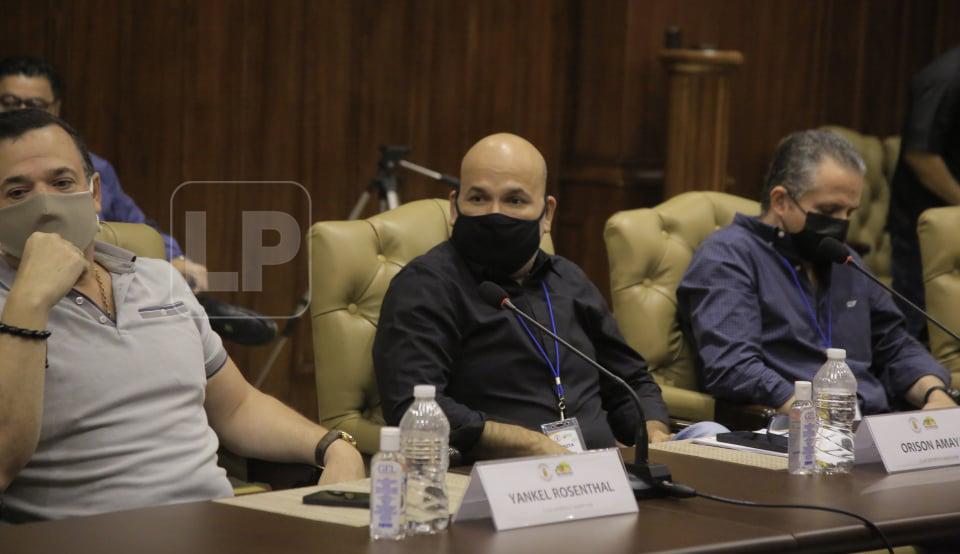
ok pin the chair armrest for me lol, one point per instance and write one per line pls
(688, 405)
(277, 475)
(281, 475)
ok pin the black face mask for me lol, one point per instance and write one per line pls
(816, 228)
(499, 242)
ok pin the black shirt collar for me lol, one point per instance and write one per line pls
(543, 262)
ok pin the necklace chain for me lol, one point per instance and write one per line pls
(103, 292)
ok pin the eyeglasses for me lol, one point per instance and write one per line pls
(14, 102)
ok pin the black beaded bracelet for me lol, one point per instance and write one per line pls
(33, 334)
(926, 397)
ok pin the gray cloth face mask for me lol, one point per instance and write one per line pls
(73, 216)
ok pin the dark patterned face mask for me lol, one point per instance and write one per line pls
(816, 228)
(497, 241)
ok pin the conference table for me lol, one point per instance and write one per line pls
(909, 507)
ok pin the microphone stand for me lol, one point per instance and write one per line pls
(645, 478)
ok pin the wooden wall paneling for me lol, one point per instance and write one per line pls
(388, 42)
(645, 83)
(330, 104)
(270, 109)
(595, 139)
(90, 72)
(592, 179)
(845, 63)
(441, 100)
(947, 26)
(891, 30)
(148, 114)
(779, 85)
(24, 27)
(698, 128)
(213, 133)
(328, 151)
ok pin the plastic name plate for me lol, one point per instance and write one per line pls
(910, 440)
(534, 491)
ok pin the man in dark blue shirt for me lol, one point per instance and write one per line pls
(761, 308)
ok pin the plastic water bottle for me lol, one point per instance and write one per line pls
(387, 476)
(803, 431)
(836, 393)
(424, 436)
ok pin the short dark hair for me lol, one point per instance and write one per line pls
(33, 67)
(16, 123)
(799, 155)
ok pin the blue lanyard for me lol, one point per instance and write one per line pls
(827, 338)
(554, 367)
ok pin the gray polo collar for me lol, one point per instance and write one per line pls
(113, 258)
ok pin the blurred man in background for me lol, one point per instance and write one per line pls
(927, 174)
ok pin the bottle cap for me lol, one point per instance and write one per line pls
(389, 439)
(424, 391)
(802, 390)
(836, 354)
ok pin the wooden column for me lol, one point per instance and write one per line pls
(698, 121)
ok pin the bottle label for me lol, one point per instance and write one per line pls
(386, 498)
(803, 438)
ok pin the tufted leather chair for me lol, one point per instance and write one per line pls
(867, 224)
(138, 238)
(938, 229)
(649, 251)
(352, 265)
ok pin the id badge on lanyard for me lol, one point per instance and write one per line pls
(566, 431)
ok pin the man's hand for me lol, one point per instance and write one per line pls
(49, 268)
(785, 408)
(547, 447)
(194, 273)
(341, 462)
(939, 399)
(657, 431)
(504, 440)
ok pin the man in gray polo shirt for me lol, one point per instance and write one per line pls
(114, 390)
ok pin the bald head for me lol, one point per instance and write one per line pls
(505, 157)
(504, 174)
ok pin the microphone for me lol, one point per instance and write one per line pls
(832, 250)
(645, 478)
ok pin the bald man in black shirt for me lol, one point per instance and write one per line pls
(498, 380)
